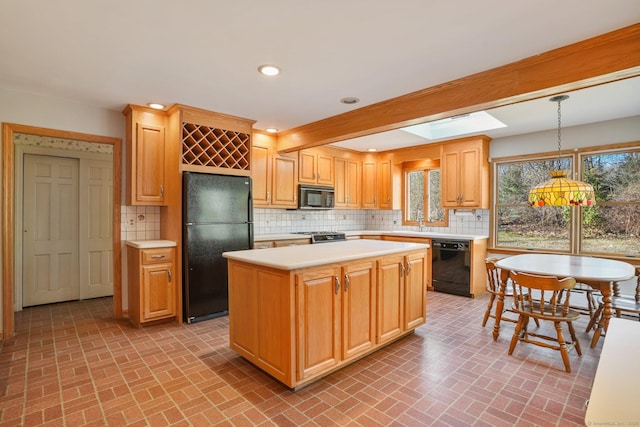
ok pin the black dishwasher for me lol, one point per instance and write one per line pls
(451, 266)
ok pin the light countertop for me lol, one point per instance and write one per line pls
(295, 257)
(148, 244)
(423, 234)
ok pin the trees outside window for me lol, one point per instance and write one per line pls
(611, 227)
(422, 195)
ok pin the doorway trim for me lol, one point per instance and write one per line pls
(8, 211)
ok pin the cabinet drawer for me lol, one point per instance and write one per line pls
(157, 256)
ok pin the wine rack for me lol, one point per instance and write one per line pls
(212, 147)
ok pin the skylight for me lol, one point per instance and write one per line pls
(479, 121)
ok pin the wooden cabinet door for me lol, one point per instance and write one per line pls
(450, 166)
(384, 185)
(319, 300)
(261, 175)
(150, 170)
(307, 167)
(324, 169)
(358, 308)
(341, 183)
(353, 184)
(315, 168)
(415, 292)
(369, 184)
(284, 182)
(390, 294)
(158, 292)
(470, 177)
(465, 174)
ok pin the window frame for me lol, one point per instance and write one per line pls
(576, 213)
(424, 167)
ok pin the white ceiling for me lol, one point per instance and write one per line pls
(205, 53)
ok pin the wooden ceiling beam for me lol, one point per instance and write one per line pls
(602, 59)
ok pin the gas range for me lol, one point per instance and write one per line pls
(324, 236)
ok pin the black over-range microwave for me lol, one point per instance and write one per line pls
(315, 197)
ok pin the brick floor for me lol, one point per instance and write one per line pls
(72, 364)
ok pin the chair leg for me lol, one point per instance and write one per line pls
(574, 338)
(563, 347)
(516, 333)
(594, 318)
(488, 312)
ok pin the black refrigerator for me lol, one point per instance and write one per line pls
(217, 217)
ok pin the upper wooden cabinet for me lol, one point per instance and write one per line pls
(274, 176)
(347, 182)
(465, 173)
(145, 156)
(315, 167)
(370, 182)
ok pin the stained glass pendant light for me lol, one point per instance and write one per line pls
(561, 190)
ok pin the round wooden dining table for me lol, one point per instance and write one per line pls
(599, 273)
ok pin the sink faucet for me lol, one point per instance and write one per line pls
(420, 222)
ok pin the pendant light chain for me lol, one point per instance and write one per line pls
(559, 127)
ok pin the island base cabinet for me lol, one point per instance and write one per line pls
(415, 294)
(261, 327)
(319, 301)
(402, 295)
(390, 298)
(301, 325)
(358, 308)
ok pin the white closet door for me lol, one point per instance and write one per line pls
(96, 229)
(50, 231)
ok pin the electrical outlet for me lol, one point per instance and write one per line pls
(131, 222)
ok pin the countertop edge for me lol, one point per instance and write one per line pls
(148, 244)
(261, 257)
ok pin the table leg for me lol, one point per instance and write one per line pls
(499, 309)
(603, 323)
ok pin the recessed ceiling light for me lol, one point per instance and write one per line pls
(350, 100)
(156, 106)
(269, 70)
(272, 130)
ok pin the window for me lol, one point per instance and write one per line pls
(611, 227)
(422, 194)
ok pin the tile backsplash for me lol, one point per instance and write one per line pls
(143, 222)
(139, 223)
(274, 221)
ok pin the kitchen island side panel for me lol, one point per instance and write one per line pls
(261, 327)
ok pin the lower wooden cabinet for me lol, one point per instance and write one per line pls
(301, 325)
(336, 315)
(152, 289)
(402, 294)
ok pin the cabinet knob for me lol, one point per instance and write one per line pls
(346, 282)
(162, 190)
(169, 275)
(157, 256)
(268, 196)
(401, 269)
(408, 268)
(336, 284)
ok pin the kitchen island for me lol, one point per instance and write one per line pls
(302, 312)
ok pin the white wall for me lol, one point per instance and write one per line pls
(603, 133)
(34, 110)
